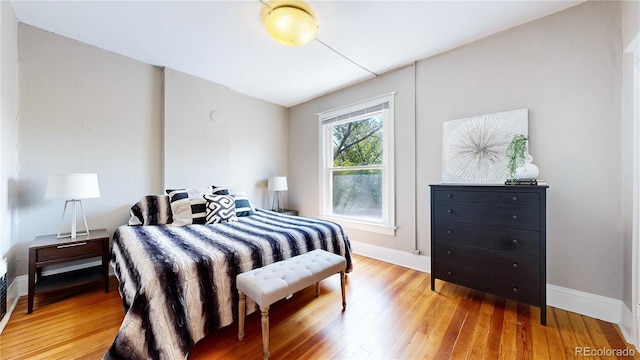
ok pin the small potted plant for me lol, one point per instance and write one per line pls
(518, 155)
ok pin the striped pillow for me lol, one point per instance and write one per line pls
(243, 205)
(220, 208)
(188, 206)
(219, 190)
(151, 210)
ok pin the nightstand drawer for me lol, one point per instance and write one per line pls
(64, 251)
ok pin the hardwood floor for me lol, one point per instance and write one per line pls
(391, 314)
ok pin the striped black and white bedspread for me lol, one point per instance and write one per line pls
(178, 282)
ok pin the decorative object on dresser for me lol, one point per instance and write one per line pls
(520, 166)
(49, 250)
(491, 238)
(474, 149)
(277, 184)
(72, 188)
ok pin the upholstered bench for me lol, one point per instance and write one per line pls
(276, 281)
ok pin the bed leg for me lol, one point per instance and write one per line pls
(344, 297)
(241, 313)
(265, 332)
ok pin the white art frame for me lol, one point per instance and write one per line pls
(474, 148)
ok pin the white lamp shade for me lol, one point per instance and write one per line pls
(72, 186)
(277, 183)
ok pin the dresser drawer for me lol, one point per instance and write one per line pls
(510, 216)
(489, 197)
(510, 287)
(523, 242)
(82, 249)
(491, 261)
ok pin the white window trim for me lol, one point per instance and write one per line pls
(388, 203)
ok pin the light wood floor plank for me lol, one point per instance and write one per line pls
(508, 349)
(391, 314)
(597, 336)
(539, 344)
(568, 334)
(524, 341)
(481, 332)
(494, 338)
(554, 338)
(462, 345)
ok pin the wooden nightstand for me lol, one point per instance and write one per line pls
(289, 212)
(49, 250)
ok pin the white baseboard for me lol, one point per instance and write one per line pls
(13, 295)
(393, 256)
(596, 306)
(580, 302)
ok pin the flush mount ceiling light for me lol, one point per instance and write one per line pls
(291, 25)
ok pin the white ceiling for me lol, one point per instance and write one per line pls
(226, 42)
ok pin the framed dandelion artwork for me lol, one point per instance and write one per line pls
(474, 149)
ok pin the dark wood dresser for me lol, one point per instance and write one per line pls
(491, 238)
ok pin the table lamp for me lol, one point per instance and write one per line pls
(277, 184)
(72, 188)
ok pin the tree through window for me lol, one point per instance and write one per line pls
(358, 162)
(357, 167)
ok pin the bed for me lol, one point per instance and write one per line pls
(178, 282)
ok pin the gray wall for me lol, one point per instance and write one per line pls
(8, 133)
(83, 109)
(242, 146)
(304, 153)
(630, 20)
(566, 69)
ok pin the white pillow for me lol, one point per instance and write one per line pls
(188, 205)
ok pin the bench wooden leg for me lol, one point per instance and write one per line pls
(265, 332)
(317, 289)
(241, 313)
(344, 298)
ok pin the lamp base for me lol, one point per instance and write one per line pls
(69, 235)
(277, 202)
(73, 234)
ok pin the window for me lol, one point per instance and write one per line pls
(357, 185)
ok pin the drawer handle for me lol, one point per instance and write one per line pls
(449, 196)
(515, 289)
(71, 245)
(449, 272)
(449, 232)
(515, 265)
(515, 198)
(449, 211)
(450, 252)
(515, 241)
(515, 217)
